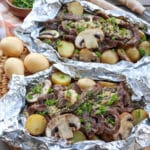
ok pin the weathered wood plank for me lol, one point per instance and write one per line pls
(144, 2)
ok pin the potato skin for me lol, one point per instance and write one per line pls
(133, 54)
(145, 46)
(65, 49)
(60, 78)
(11, 46)
(139, 115)
(85, 83)
(109, 57)
(13, 66)
(35, 62)
(75, 8)
(36, 124)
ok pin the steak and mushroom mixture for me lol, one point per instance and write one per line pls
(94, 37)
(81, 110)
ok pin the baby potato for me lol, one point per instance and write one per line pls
(142, 34)
(35, 62)
(36, 124)
(133, 54)
(65, 49)
(13, 66)
(85, 83)
(144, 47)
(139, 115)
(11, 46)
(60, 78)
(109, 57)
(75, 8)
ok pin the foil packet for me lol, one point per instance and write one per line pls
(12, 119)
(32, 26)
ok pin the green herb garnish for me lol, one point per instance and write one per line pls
(50, 90)
(37, 89)
(80, 28)
(98, 54)
(113, 99)
(42, 113)
(144, 38)
(47, 41)
(110, 121)
(23, 3)
(76, 51)
(29, 96)
(50, 102)
(112, 20)
(142, 52)
(101, 110)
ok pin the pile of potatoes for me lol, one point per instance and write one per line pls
(13, 47)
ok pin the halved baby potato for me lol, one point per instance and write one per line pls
(75, 8)
(109, 57)
(85, 83)
(60, 78)
(65, 49)
(36, 124)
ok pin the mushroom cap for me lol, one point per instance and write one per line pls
(89, 38)
(62, 123)
(52, 34)
(46, 84)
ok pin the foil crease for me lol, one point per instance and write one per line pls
(136, 76)
(12, 120)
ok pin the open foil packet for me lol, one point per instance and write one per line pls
(12, 119)
(33, 24)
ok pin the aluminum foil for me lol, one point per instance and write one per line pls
(12, 120)
(32, 26)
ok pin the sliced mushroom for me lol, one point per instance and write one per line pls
(71, 95)
(89, 38)
(125, 127)
(63, 126)
(32, 97)
(51, 34)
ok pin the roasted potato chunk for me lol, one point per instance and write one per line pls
(36, 124)
(133, 54)
(109, 57)
(144, 48)
(60, 78)
(65, 49)
(75, 8)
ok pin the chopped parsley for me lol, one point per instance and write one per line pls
(47, 41)
(113, 38)
(68, 93)
(42, 112)
(144, 38)
(50, 102)
(50, 90)
(37, 89)
(76, 51)
(142, 52)
(112, 20)
(98, 54)
(101, 110)
(29, 96)
(113, 99)
(80, 28)
(110, 121)
(59, 43)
